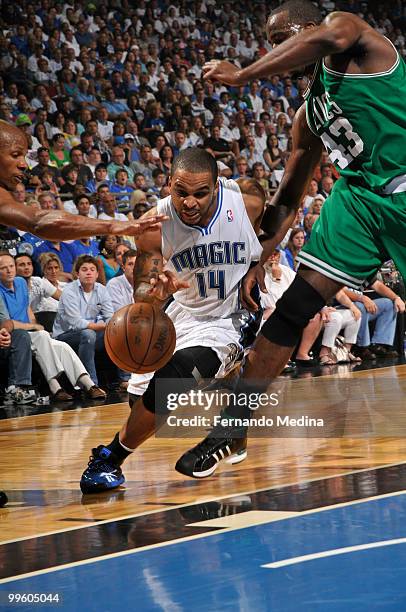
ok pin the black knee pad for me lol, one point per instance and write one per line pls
(181, 374)
(293, 311)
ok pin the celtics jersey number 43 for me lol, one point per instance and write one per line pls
(361, 119)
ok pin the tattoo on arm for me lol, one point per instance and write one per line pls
(147, 265)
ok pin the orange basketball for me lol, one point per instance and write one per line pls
(140, 338)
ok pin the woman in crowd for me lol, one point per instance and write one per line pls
(295, 244)
(273, 156)
(72, 138)
(40, 134)
(107, 261)
(166, 155)
(58, 153)
(58, 123)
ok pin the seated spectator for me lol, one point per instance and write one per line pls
(121, 187)
(52, 357)
(15, 348)
(106, 262)
(116, 109)
(43, 307)
(145, 165)
(71, 133)
(84, 310)
(251, 153)
(121, 248)
(166, 155)
(58, 153)
(218, 147)
(159, 178)
(64, 252)
(308, 221)
(346, 319)
(294, 246)
(120, 289)
(109, 207)
(258, 173)
(45, 165)
(76, 161)
(383, 310)
(241, 168)
(273, 156)
(316, 206)
(118, 163)
(100, 178)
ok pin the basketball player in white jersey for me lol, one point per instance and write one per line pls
(208, 244)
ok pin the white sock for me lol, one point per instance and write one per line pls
(85, 381)
(54, 386)
(129, 450)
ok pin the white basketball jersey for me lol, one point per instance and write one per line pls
(212, 259)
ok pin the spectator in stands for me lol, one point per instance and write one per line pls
(273, 156)
(346, 319)
(107, 263)
(122, 189)
(145, 165)
(295, 244)
(53, 357)
(62, 249)
(77, 161)
(109, 205)
(58, 152)
(84, 310)
(381, 305)
(117, 163)
(15, 347)
(120, 289)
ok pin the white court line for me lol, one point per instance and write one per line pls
(124, 553)
(203, 500)
(333, 552)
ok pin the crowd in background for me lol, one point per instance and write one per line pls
(109, 92)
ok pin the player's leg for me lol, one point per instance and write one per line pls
(265, 361)
(185, 369)
(342, 251)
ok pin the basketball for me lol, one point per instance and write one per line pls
(140, 338)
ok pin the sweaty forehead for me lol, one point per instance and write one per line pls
(192, 181)
(11, 136)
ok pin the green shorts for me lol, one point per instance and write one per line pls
(357, 231)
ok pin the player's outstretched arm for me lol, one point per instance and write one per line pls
(336, 34)
(60, 225)
(279, 217)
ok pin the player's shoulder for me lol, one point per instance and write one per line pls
(229, 184)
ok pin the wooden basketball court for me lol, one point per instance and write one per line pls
(93, 548)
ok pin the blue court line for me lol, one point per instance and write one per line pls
(223, 571)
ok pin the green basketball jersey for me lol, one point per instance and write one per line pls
(361, 120)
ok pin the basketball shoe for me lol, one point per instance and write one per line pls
(222, 444)
(3, 499)
(102, 473)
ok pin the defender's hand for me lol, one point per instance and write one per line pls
(223, 72)
(139, 227)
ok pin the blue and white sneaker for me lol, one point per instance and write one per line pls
(103, 472)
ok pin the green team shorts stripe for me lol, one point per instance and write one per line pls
(357, 231)
(321, 266)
